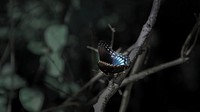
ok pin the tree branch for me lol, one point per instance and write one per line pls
(127, 92)
(191, 39)
(114, 84)
(152, 70)
(135, 49)
(185, 51)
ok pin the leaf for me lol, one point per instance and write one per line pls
(37, 47)
(2, 108)
(3, 100)
(4, 32)
(64, 88)
(56, 64)
(60, 110)
(104, 21)
(55, 36)
(76, 4)
(55, 84)
(2, 91)
(10, 80)
(44, 60)
(74, 87)
(6, 69)
(31, 99)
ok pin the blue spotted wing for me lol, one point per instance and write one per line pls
(111, 61)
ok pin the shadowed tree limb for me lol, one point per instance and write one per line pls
(152, 70)
(127, 92)
(185, 51)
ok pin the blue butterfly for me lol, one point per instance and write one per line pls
(111, 61)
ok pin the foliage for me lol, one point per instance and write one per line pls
(37, 23)
(31, 99)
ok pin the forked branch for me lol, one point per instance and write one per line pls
(115, 83)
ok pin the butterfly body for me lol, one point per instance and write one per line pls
(111, 61)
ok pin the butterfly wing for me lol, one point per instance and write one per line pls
(111, 61)
(120, 60)
(105, 52)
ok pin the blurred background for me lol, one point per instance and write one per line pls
(44, 58)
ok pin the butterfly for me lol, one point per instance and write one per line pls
(111, 61)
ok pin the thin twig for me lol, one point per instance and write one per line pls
(152, 70)
(12, 54)
(113, 35)
(55, 88)
(92, 48)
(12, 62)
(5, 55)
(191, 39)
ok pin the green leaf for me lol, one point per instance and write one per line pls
(2, 91)
(3, 108)
(39, 23)
(76, 4)
(37, 47)
(104, 21)
(65, 88)
(74, 87)
(56, 64)
(7, 69)
(44, 60)
(3, 100)
(55, 36)
(10, 80)
(53, 82)
(4, 32)
(31, 99)
(61, 87)
(61, 110)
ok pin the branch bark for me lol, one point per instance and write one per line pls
(127, 92)
(152, 70)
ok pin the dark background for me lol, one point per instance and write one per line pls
(176, 89)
